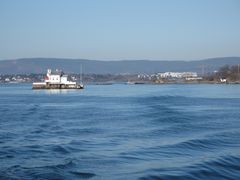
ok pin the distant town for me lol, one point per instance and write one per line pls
(225, 74)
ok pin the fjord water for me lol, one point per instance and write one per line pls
(120, 132)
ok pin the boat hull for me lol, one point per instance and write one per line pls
(56, 86)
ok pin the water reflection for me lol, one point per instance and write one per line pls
(62, 91)
(57, 91)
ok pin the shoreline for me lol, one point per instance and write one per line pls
(137, 83)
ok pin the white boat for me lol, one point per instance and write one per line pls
(57, 80)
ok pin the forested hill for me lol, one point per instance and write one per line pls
(40, 65)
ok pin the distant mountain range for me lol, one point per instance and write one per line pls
(40, 65)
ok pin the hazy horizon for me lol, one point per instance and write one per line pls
(120, 30)
(63, 58)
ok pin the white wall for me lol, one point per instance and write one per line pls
(54, 79)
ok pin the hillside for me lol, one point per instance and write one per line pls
(40, 65)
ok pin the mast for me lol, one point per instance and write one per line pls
(81, 78)
(203, 70)
(238, 72)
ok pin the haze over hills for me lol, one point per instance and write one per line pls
(40, 65)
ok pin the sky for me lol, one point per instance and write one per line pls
(120, 29)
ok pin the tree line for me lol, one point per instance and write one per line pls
(231, 73)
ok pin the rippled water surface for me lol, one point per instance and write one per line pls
(120, 132)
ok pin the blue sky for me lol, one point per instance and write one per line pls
(123, 29)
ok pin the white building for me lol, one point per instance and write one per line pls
(177, 75)
(57, 77)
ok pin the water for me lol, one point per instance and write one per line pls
(120, 132)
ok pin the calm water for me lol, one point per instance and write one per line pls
(120, 132)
